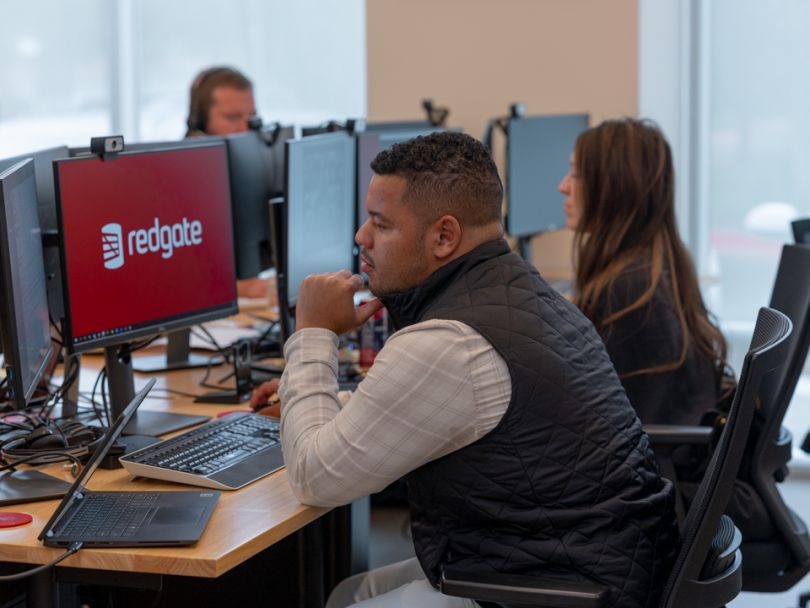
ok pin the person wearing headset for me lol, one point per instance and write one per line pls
(220, 103)
(634, 277)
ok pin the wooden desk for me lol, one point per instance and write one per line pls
(244, 523)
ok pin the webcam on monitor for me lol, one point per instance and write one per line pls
(108, 146)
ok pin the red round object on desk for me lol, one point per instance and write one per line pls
(229, 412)
(9, 519)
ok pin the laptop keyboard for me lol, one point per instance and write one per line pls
(109, 515)
(214, 447)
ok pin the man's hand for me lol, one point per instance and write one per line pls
(327, 301)
(262, 401)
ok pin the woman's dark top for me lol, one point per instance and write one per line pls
(650, 336)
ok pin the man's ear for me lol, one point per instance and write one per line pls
(445, 236)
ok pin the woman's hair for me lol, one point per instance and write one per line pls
(623, 169)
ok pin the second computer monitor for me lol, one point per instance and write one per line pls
(375, 139)
(146, 242)
(43, 173)
(320, 207)
(256, 176)
(25, 332)
(538, 152)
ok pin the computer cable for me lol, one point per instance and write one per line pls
(208, 337)
(46, 458)
(37, 440)
(70, 378)
(103, 413)
(204, 382)
(263, 336)
(56, 328)
(72, 548)
(105, 406)
(133, 346)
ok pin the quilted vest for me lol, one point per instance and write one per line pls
(566, 485)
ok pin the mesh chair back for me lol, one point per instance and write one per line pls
(687, 585)
(801, 231)
(786, 558)
(791, 296)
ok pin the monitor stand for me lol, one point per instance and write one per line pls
(122, 391)
(178, 356)
(524, 244)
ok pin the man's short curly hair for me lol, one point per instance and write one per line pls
(446, 173)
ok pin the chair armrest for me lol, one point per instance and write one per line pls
(523, 590)
(673, 434)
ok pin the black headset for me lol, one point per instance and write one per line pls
(197, 121)
(197, 118)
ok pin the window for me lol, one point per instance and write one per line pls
(96, 67)
(758, 131)
(55, 72)
(732, 93)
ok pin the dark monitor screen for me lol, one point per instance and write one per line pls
(46, 207)
(320, 207)
(146, 242)
(26, 333)
(402, 125)
(538, 152)
(43, 173)
(256, 176)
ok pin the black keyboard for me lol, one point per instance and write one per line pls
(108, 515)
(226, 453)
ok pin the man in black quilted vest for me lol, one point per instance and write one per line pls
(495, 399)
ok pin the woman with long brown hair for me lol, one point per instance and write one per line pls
(635, 279)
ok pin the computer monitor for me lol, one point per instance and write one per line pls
(400, 125)
(256, 168)
(375, 139)
(330, 126)
(318, 216)
(43, 174)
(256, 175)
(147, 247)
(538, 152)
(148, 146)
(46, 208)
(26, 335)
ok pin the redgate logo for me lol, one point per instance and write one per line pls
(164, 239)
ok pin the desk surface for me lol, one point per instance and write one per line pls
(244, 522)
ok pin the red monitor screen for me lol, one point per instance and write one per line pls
(147, 243)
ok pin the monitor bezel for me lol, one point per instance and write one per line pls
(156, 326)
(249, 215)
(283, 261)
(9, 336)
(509, 223)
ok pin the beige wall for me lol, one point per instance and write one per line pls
(478, 56)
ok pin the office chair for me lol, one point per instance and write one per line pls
(801, 231)
(776, 545)
(776, 560)
(708, 568)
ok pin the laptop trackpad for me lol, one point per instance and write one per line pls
(177, 515)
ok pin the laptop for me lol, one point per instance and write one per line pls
(127, 519)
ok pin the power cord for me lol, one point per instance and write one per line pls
(72, 548)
